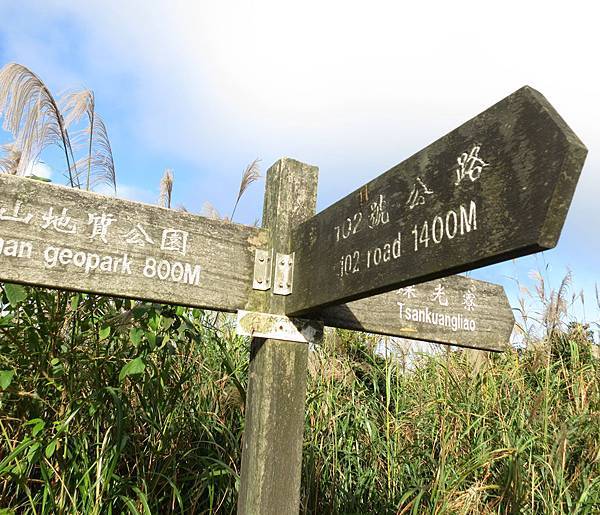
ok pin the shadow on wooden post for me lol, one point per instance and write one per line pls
(272, 441)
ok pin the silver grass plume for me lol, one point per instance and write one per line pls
(554, 302)
(32, 115)
(103, 166)
(166, 189)
(251, 174)
(10, 158)
(98, 163)
(210, 211)
(557, 306)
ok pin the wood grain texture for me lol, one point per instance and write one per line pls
(272, 442)
(290, 199)
(454, 310)
(496, 188)
(274, 431)
(223, 251)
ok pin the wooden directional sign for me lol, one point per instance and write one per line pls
(496, 188)
(70, 239)
(454, 310)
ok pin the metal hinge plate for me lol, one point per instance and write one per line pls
(278, 327)
(284, 274)
(262, 269)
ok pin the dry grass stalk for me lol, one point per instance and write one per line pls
(210, 211)
(98, 163)
(33, 116)
(166, 189)
(250, 175)
(556, 308)
(11, 158)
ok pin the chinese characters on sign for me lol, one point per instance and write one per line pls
(100, 224)
(138, 236)
(417, 195)
(469, 299)
(174, 240)
(378, 213)
(15, 214)
(424, 308)
(409, 292)
(439, 296)
(470, 165)
(59, 220)
(100, 227)
(60, 223)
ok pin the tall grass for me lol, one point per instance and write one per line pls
(111, 406)
(521, 435)
(116, 406)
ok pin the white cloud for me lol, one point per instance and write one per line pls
(39, 169)
(336, 73)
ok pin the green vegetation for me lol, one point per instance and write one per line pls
(111, 406)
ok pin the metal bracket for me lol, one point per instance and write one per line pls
(278, 327)
(262, 269)
(284, 274)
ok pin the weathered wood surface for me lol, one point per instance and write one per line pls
(70, 239)
(495, 188)
(268, 325)
(272, 441)
(454, 310)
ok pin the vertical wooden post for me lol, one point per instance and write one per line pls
(272, 441)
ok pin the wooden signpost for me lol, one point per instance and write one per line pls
(380, 260)
(496, 188)
(71, 239)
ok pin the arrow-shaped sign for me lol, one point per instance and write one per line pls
(455, 310)
(496, 188)
(75, 240)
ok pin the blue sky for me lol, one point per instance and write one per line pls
(353, 87)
